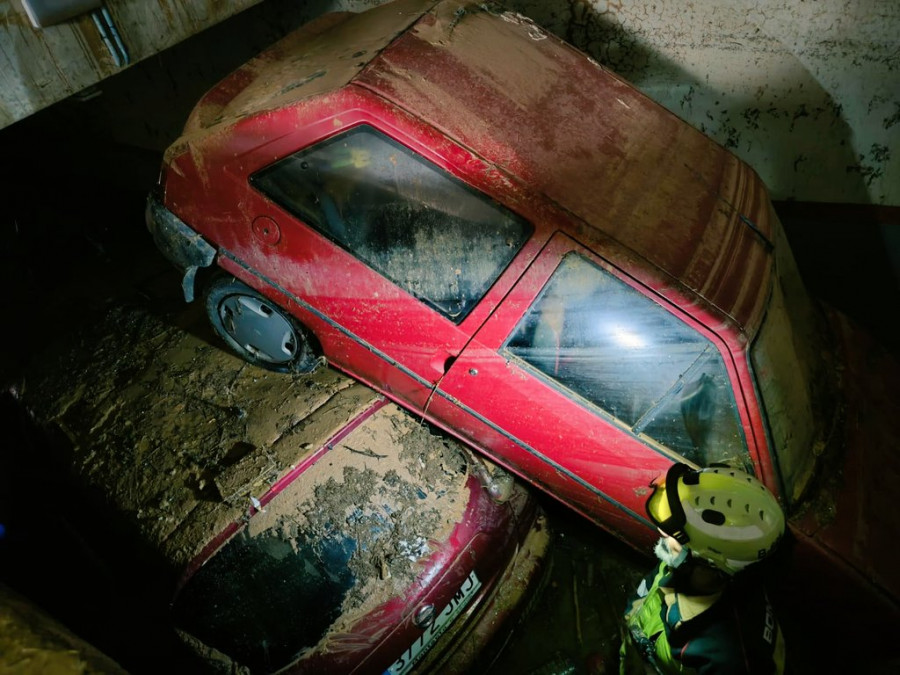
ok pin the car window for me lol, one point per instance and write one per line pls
(616, 349)
(262, 599)
(424, 230)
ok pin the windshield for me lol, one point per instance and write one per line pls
(791, 364)
(262, 599)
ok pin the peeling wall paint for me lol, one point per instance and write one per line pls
(807, 92)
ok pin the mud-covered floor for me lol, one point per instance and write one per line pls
(72, 239)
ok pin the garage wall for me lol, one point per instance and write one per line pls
(40, 66)
(814, 109)
(806, 91)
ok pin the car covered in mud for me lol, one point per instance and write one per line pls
(466, 213)
(302, 523)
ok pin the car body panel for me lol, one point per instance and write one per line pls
(596, 168)
(525, 100)
(334, 48)
(295, 264)
(300, 266)
(611, 464)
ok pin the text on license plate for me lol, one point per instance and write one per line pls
(456, 605)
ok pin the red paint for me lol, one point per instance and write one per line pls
(590, 162)
(490, 540)
(210, 549)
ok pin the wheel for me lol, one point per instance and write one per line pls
(258, 330)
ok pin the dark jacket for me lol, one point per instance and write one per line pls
(678, 630)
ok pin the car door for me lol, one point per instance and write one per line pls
(590, 386)
(400, 258)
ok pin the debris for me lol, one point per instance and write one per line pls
(367, 453)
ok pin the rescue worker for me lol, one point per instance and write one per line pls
(704, 609)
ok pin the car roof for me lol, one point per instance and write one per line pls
(317, 58)
(632, 176)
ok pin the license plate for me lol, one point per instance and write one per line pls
(456, 605)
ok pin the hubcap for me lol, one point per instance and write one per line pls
(258, 328)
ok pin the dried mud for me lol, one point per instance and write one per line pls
(180, 439)
(176, 434)
(161, 423)
(32, 642)
(394, 488)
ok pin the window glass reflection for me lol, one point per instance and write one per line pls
(610, 345)
(424, 230)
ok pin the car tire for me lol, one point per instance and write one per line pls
(258, 330)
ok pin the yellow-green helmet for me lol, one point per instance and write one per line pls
(723, 515)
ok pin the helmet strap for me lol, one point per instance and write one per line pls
(674, 524)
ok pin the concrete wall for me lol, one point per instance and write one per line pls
(806, 91)
(40, 66)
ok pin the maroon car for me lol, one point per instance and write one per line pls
(303, 523)
(499, 234)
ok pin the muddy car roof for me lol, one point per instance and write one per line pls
(177, 436)
(317, 58)
(633, 175)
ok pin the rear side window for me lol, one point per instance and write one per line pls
(612, 347)
(429, 233)
(262, 599)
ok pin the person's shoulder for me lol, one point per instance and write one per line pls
(739, 634)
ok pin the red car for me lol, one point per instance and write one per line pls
(302, 523)
(495, 231)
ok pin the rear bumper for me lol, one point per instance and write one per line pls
(482, 635)
(180, 244)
